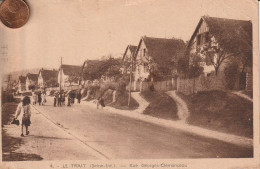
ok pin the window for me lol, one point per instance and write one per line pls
(207, 37)
(144, 52)
(199, 39)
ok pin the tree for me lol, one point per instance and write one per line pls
(109, 67)
(230, 40)
(162, 67)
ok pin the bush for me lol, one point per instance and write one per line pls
(231, 75)
(7, 97)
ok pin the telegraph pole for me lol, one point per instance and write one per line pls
(60, 73)
(130, 85)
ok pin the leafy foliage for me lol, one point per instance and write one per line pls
(230, 40)
(109, 67)
(231, 75)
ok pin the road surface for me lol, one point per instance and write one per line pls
(83, 132)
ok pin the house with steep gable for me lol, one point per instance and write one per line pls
(128, 59)
(47, 78)
(69, 75)
(156, 59)
(31, 81)
(219, 42)
(21, 84)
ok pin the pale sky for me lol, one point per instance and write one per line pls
(88, 29)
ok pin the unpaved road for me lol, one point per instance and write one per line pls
(83, 132)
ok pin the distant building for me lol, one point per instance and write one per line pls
(128, 59)
(31, 81)
(21, 84)
(47, 78)
(69, 75)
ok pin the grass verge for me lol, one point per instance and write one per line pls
(122, 102)
(248, 93)
(221, 111)
(161, 105)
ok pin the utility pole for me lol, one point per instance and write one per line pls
(60, 74)
(130, 85)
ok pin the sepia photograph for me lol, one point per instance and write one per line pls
(129, 84)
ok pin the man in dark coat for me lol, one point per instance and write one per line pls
(40, 97)
(79, 97)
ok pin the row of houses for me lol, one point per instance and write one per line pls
(68, 74)
(235, 37)
(154, 59)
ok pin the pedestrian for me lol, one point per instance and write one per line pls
(34, 98)
(100, 102)
(43, 98)
(59, 99)
(69, 100)
(25, 118)
(40, 98)
(55, 100)
(79, 97)
(63, 98)
(73, 97)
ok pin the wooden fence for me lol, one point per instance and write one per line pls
(157, 86)
(202, 83)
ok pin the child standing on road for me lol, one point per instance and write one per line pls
(25, 108)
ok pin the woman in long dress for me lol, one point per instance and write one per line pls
(23, 111)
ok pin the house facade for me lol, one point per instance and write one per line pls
(47, 78)
(128, 59)
(31, 81)
(155, 59)
(21, 84)
(69, 75)
(211, 30)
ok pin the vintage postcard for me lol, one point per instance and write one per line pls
(129, 84)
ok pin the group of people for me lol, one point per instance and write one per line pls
(39, 97)
(23, 111)
(60, 98)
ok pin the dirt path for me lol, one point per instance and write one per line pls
(240, 94)
(183, 111)
(141, 101)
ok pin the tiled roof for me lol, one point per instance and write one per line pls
(229, 26)
(71, 70)
(22, 79)
(161, 48)
(33, 77)
(90, 62)
(47, 74)
(132, 49)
